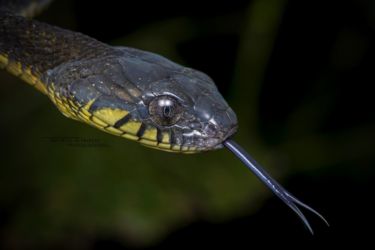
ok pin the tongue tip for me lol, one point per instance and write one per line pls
(272, 184)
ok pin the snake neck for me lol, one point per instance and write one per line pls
(28, 48)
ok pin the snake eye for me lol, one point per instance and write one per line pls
(165, 110)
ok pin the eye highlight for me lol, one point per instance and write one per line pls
(165, 110)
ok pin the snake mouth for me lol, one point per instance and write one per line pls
(217, 141)
(192, 144)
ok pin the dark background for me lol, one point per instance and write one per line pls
(297, 73)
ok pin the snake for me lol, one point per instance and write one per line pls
(123, 91)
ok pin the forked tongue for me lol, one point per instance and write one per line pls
(275, 187)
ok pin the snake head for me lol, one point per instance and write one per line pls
(145, 97)
(182, 105)
(189, 106)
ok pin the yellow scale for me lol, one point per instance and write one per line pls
(15, 68)
(106, 118)
(103, 119)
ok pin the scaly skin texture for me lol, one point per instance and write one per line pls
(31, 48)
(115, 88)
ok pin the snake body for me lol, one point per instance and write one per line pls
(120, 90)
(124, 91)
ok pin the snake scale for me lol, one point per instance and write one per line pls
(123, 91)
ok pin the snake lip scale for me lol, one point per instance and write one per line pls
(127, 92)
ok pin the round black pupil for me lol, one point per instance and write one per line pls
(167, 111)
